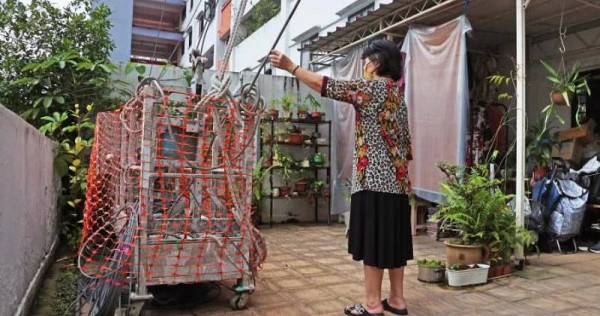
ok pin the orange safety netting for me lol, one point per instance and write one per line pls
(169, 194)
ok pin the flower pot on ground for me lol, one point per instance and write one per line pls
(497, 271)
(463, 254)
(463, 275)
(431, 271)
(472, 201)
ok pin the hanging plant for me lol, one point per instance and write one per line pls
(566, 85)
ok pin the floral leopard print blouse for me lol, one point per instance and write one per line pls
(382, 141)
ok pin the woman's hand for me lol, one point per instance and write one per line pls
(281, 61)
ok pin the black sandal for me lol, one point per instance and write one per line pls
(388, 308)
(358, 309)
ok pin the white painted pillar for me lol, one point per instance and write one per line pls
(521, 113)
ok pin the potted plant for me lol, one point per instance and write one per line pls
(300, 182)
(286, 102)
(539, 148)
(258, 176)
(566, 85)
(273, 112)
(316, 187)
(315, 104)
(471, 200)
(285, 174)
(302, 111)
(281, 135)
(318, 159)
(504, 235)
(295, 134)
(431, 271)
(471, 274)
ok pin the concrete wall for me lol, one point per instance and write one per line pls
(120, 18)
(28, 214)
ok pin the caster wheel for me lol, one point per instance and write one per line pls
(239, 301)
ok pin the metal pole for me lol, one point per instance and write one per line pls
(521, 112)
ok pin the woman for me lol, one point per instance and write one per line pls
(379, 233)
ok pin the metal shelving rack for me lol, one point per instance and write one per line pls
(316, 147)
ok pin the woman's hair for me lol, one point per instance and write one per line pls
(387, 55)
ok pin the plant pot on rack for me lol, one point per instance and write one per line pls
(301, 186)
(285, 191)
(295, 138)
(315, 116)
(464, 275)
(273, 114)
(302, 114)
(318, 159)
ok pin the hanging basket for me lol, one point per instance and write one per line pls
(559, 99)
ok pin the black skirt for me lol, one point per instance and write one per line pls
(380, 231)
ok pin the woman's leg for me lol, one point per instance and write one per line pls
(396, 299)
(373, 278)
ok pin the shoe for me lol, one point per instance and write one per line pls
(358, 309)
(388, 308)
(595, 248)
(584, 245)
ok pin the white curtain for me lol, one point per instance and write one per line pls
(437, 96)
(349, 67)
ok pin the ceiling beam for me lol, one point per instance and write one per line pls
(570, 30)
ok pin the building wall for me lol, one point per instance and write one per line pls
(120, 18)
(28, 212)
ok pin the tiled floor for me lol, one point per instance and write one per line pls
(309, 273)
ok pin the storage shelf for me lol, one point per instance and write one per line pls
(295, 145)
(296, 121)
(317, 127)
(301, 168)
(295, 197)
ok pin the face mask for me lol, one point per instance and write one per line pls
(368, 74)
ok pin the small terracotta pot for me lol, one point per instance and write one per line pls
(300, 187)
(296, 138)
(274, 114)
(559, 99)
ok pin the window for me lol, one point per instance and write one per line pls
(361, 13)
(189, 36)
(191, 5)
(201, 24)
(305, 55)
(183, 12)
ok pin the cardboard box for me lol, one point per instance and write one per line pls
(584, 133)
(570, 150)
